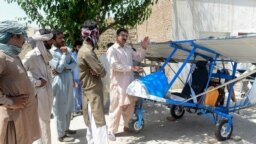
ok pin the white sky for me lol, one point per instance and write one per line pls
(11, 11)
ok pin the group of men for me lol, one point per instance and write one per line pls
(41, 83)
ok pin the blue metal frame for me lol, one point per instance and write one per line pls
(168, 59)
(220, 111)
(211, 67)
(205, 49)
(181, 68)
(227, 77)
(139, 112)
(230, 90)
(211, 74)
(186, 50)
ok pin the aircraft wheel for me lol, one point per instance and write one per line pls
(135, 126)
(222, 131)
(177, 111)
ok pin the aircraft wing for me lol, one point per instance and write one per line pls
(239, 49)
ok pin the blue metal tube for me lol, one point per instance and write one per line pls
(222, 76)
(181, 41)
(228, 116)
(230, 90)
(186, 50)
(206, 49)
(181, 103)
(212, 64)
(169, 58)
(190, 71)
(181, 68)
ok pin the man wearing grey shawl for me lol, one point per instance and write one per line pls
(19, 122)
(36, 64)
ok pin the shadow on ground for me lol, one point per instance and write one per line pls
(190, 129)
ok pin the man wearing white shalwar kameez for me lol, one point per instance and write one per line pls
(120, 57)
(36, 64)
(62, 65)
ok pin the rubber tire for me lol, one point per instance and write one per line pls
(218, 131)
(172, 111)
(133, 128)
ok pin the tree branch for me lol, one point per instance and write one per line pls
(103, 29)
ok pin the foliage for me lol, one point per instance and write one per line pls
(68, 15)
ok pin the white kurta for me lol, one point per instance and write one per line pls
(37, 68)
(121, 61)
(62, 89)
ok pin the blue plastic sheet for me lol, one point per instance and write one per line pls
(156, 83)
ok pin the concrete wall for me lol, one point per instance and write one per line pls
(192, 17)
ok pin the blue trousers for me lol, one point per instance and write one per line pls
(77, 92)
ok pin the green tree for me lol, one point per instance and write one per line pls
(69, 15)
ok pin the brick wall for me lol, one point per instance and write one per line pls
(158, 26)
(110, 36)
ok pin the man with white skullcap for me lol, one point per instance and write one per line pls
(18, 113)
(36, 63)
(91, 72)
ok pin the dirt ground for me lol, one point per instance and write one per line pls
(190, 129)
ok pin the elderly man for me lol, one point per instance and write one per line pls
(18, 116)
(62, 65)
(120, 57)
(36, 64)
(91, 72)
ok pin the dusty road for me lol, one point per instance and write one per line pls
(190, 129)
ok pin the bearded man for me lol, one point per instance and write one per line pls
(36, 63)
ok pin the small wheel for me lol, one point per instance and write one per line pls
(222, 132)
(133, 126)
(177, 111)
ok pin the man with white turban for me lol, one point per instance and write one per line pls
(18, 113)
(36, 63)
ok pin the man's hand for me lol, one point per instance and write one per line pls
(54, 72)
(144, 44)
(19, 102)
(43, 82)
(93, 73)
(136, 69)
(63, 50)
(75, 85)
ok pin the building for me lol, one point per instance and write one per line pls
(159, 25)
(199, 18)
(192, 19)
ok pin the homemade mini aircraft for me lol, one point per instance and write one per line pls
(204, 89)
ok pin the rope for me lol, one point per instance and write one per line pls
(222, 85)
